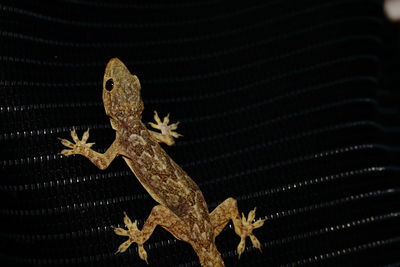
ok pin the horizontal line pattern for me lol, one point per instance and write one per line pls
(207, 37)
(197, 77)
(288, 106)
(130, 25)
(182, 59)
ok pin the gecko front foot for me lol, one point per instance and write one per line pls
(246, 230)
(79, 146)
(167, 130)
(135, 236)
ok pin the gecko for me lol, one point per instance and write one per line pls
(182, 209)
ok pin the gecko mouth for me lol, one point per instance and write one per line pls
(109, 84)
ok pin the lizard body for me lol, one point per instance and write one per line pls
(182, 209)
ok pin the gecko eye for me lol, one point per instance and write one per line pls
(109, 84)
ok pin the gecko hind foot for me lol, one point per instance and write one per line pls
(76, 147)
(134, 235)
(247, 231)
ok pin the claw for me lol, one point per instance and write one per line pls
(174, 126)
(134, 227)
(90, 144)
(251, 216)
(127, 221)
(120, 231)
(66, 143)
(124, 246)
(241, 247)
(176, 135)
(85, 136)
(143, 253)
(166, 119)
(157, 118)
(244, 221)
(66, 152)
(255, 242)
(258, 223)
(155, 126)
(74, 135)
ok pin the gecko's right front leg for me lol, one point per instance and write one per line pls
(159, 215)
(102, 161)
(167, 134)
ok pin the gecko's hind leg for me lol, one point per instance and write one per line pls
(159, 215)
(227, 211)
(167, 134)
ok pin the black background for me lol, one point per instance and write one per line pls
(289, 106)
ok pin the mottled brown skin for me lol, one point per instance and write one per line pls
(182, 209)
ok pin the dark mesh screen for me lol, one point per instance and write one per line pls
(289, 106)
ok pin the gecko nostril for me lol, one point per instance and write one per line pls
(109, 84)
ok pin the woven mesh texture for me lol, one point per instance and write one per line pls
(289, 106)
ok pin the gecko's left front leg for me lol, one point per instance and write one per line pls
(102, 161)
(159, 215)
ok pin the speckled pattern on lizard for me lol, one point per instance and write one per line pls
(182, 209)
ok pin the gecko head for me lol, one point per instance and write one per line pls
(121, 91)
